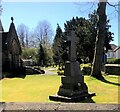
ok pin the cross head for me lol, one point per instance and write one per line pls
(72, 48)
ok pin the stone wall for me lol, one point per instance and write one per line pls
(113, 69)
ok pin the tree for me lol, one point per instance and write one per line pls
(23, 34)
(1, 9)
(58, 46)
(100, 40)
(86, 37)
(29, 53)
(43, 35)
(41, 56)
(48, 56)
(86, 31)
(32, 42)
(45, 56)
(108, 36)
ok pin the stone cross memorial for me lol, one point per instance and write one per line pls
(73, 88)
(72, 67)
(72, 53)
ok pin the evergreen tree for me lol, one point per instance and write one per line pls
(41, 55)
(82, 28)
(58, 46)
(86, 31)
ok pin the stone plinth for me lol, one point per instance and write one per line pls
(72, 68)
(73, 88)
(71, 99)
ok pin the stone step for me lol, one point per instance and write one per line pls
(57, 107)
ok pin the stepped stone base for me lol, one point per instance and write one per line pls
(71, 99)
(72, 92)
(73, 87)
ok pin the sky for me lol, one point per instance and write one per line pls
(30, 13)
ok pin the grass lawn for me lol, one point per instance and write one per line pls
(37, 88)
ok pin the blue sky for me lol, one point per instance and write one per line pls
(30, 13)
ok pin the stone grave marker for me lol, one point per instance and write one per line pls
(73, 87)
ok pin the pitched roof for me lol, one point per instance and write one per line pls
(116, 48)
(8, 37)
(1, 27)
(12, 30)
(113, 46)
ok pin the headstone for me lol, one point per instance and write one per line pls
(73, 88)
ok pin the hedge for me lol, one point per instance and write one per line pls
(113, 61)
(86, 69)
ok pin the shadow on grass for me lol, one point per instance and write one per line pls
(89, 100)
(108, 82)
(13, 75)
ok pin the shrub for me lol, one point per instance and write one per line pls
(86, 69)
(113, 61)
(60, 72)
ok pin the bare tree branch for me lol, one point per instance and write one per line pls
(114, 5)
(1, 9)
(89, 9)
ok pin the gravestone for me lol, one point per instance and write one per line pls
(73, 88)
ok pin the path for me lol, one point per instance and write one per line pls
(51, 71)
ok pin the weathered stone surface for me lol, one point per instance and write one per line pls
(72, 69)
(72, 48)
(72, 93)
(2, 106)
(38, 107)
(72, 80)
(113, 69)
(75, 98)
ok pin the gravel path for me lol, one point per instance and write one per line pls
(50, 71)
(38, 107)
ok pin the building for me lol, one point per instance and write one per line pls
(111, 53)
(11, 49)
(117, 52)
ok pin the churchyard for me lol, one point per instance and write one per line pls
(38, 88)
(71, 86)
(31, 66)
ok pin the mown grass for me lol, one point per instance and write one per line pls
(34, 88)
(106, 92)
(37, 88)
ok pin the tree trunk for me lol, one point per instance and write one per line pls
(100, 38)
